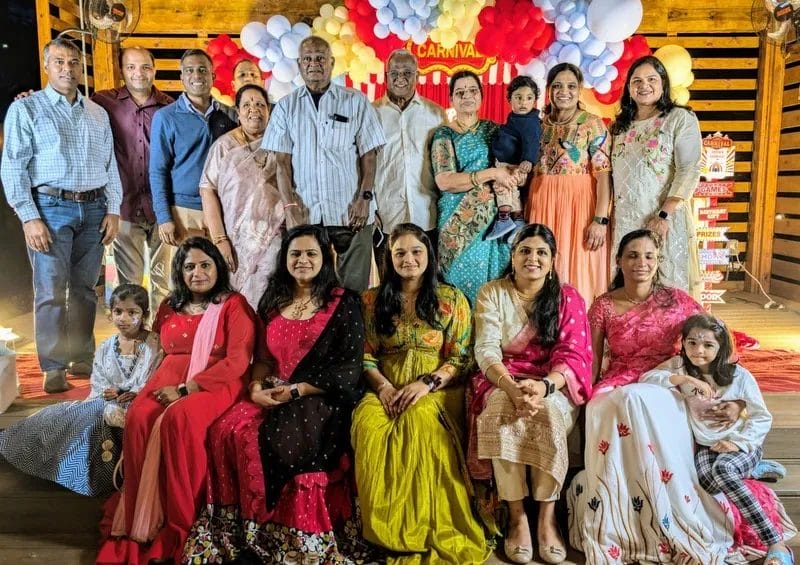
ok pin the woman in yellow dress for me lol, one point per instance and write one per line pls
(407, 432)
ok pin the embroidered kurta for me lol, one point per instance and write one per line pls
(653, 160)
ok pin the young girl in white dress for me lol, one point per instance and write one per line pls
(727, 453)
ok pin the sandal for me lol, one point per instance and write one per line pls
(554, 554)
(518, 553)
(779, 557)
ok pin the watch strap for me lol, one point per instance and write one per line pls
(663, 215)
(294, 391)
(550, 387)
(602, 220)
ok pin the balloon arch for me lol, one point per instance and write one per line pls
(498, 40)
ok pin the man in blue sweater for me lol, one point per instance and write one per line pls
(180, 138)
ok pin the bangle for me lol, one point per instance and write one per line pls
(289, 205)
(503, 376)
(473, 178)
(743, 414)
(217, 239)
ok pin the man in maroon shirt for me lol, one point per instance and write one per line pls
(131, 110)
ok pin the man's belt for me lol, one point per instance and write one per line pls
(71, 195)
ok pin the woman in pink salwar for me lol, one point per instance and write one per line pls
(639, 499)
(241, 205)
(532, 347)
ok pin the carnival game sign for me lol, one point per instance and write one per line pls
(712, 214)
(717, 158)
(712, 277)
(714, 189)
(462, 56)
(712, 296)
(714, 256)
(712, 233)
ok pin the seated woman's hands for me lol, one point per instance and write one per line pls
(125, 397)
(271, 397)
(166, 395)
(396, 401)
(110, 393)
(525, 395)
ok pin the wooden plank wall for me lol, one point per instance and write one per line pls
(786, 243)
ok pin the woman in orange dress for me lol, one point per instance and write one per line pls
(571, 191)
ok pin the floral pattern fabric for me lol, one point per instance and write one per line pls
(578, 148)
(466, 260)
(655, 159)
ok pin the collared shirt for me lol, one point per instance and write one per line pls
(325, 145)
(130, 124)
(49, 142)
(404, 187)
(205, 115)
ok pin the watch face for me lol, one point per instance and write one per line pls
(367, 195)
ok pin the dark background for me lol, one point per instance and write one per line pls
(19, 70)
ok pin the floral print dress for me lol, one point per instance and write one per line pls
(653, 160)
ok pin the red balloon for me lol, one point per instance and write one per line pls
(214, 47)
(349, 4)
(230, 49)
(486, 16)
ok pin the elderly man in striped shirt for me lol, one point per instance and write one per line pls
(60, 177)
(326, 139)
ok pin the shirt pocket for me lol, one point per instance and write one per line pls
(45, 135)
(339, 136)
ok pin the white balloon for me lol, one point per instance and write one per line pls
(563, 37)
(402, 9)
(265, 65)
(251, 34)
(577, 20)
(290, 45)
(602, 86)
(378, 4)
(597, 69)
(417, 4)
(285, 70)
(396, 26)
(259, 49)
(570, 54)
(298, 80)
(381, 31)
(403, 34)
(562, 24)
(425, 12)
(420, 37)
(274, 55)
(580, 34)
(302, 29)
(412, 25)
(614, 20)
(385, 16)
(551, 62)
(612, 72)
(278, 90)
(555, 47)
(593, 47)
(616, 48)
(566, 7)
(278, 24)
(535, 69)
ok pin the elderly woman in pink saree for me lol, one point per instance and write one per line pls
(532, 347)
(639, 499)
(241, 205)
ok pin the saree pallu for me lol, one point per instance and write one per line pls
(466, 260)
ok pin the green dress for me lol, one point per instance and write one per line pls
(410, 471)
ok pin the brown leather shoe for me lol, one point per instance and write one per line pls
(82, 368)
(55, 381)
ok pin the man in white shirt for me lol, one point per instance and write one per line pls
(404, 187)
(325, 138)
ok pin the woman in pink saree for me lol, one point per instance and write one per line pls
(639, 499)
(532, 347)
(241, 205)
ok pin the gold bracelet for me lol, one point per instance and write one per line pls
(504, 376)
(217, 239)
(473, 178)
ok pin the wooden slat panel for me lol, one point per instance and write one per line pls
(785, 290)
(786, 269)
(712, 16)
(166, 42)
(727, 126)
(785, 205)
(789, 163)
(739, 187)
(724, 84)
(723, 106)
(724, 63)
(792, 76)
(790, 140)
(791, 97)
(708, 41)
(786, 247)
(791, 119)
(788, 184)
(787, 226)
(69, 6)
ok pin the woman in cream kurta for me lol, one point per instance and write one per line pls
(654, 160)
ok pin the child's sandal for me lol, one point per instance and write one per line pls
(778, 557)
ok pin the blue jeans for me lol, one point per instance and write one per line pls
(64, 278)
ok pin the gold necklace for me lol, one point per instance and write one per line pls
(299, 308)
(565, 121)
(633, 300)
(464, 128)
(198, 308)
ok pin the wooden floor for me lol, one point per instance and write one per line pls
(43, 523)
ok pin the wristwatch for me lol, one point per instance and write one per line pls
(663, 215)
(431, 381)
(294, 392)
(367, 195)
(603, 221)
(183, 390)
(549, 387)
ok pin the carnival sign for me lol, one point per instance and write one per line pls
(712, 214)
(712, 296)
(717, 189)
(462, 56)
(714, 256)
(718, 157)
(713, 233)
(712, 277)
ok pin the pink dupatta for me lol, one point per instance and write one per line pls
(148, 515)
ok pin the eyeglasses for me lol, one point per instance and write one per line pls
(473, 92)
(408, 75)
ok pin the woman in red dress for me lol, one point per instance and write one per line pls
(280, 485)
(208, 334)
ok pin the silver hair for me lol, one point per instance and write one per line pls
(62, 42)
(401, 53)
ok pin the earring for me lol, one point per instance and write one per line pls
(549, 275)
